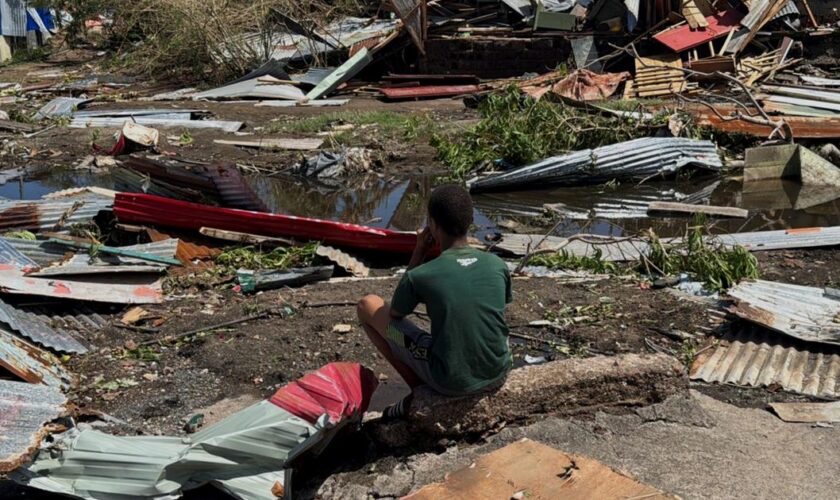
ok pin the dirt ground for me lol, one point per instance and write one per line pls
(177, 379)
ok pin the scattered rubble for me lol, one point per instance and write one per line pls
(643, 156)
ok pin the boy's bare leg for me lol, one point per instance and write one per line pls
(375, 316)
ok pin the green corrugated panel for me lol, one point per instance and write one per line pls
(341, 74)
(243, 454)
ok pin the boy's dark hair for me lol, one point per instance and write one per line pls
(452, 209)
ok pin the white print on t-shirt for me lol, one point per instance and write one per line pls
(467, 262)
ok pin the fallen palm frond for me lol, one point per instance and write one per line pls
(278, 258)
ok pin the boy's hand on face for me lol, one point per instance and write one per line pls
(425, 240)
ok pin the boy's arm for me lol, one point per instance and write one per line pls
(405, 299)
(421, 249)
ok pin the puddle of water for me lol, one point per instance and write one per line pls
(612, 210)
(55, 181)
(391, 204)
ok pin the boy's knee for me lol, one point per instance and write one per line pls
(367, 306)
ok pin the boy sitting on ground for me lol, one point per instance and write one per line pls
(465, 291)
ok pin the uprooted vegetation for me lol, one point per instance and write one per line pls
(212, 39)
(717, 266)
(276, 258)
(516, 130)
(565, 261)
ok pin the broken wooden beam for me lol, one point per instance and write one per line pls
(562, 387)
(686, 208)
(251, 239)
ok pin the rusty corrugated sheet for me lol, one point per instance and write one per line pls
(760, 358)
(187, 252)
(38, 330)
(234, 188)
(804, 127)
(24, 409)
(427, 91)
(804, 312)
(31, 363)
(49, 215)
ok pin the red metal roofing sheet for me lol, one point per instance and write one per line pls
(395, 93)
(684, 38)
(149, 209)
(340, 390)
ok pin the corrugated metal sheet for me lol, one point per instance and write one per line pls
(49, 215)
(111, 290)
(24, 409)
(760, 358)
(60, 106)
(257, 88)
(313, 76)
(13, 18)
(344, 261)
(630, 249)
(758, 9)
(788, 10)
(227, 126)
(426, 91)
(11, 255)
(36, 329)
(637, 159)
(147, 209)
(90, 464)
(252, 446)
(31, 363)
(804, 312)
(806, 237)
(234, 188)
(72, 317)
(822, 82)
(45, 253)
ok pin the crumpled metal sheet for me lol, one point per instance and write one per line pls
(804, 312)
(24, 409)
(155, 121)
(37, 330)
(637, 159)
(60, 106)
(256, 88)
(245, 454)
(31, 363)
(585, 85)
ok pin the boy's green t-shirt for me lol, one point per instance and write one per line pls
(465, 291)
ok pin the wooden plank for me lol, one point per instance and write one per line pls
(528, 469)
(251, 239)
(17, 126)
(685, 208)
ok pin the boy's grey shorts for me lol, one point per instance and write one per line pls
(410, 344)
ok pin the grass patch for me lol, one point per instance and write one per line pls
(517, 130)
(564, 260)
(717, 266)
